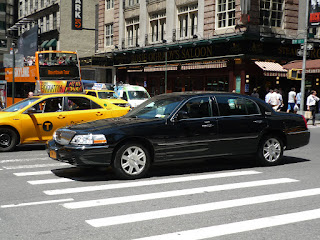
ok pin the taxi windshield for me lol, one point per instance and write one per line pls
(20, 105)
(136, 95)
(108, 95)
(155, 108)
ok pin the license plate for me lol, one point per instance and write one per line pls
(53, 154)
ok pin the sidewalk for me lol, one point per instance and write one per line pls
(317, 121)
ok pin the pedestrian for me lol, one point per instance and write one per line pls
(280, 105)
(274, 100)
(291, 100)
(30, 94)
(267, 97)
(299, 99)
(311, 105)
(255, 93)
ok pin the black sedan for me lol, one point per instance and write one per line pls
(181, 126)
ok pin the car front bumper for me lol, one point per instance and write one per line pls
(297, 139)
(98, 156)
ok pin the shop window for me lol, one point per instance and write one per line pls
(271, 13)
(109, 34)
(226, 13)
(188, 21)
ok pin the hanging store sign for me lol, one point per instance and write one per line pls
(76, 15)
(314, 13)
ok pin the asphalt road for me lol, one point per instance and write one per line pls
(216, 199)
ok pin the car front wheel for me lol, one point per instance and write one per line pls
(8, 139)
(131, 161)
(270, 151)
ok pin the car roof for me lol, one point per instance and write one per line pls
(102, 90)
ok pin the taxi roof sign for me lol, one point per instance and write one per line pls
(99, 86)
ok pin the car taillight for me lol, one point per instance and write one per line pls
(305, 121)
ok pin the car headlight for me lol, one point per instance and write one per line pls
(89, 139)
(127, 105)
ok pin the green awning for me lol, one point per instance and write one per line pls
(43, 44)
(52, 43)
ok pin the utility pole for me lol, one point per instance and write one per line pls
(166, 72)
(13, 70)
(304, 61)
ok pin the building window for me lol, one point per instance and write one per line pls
(47, 23)
(2, 25)
(54, 22)
(26, 7)
(41, 25)
(109, 4)
(3, 43)
(31, 5)
(109, 34)
(188, 21)
(36, 3)
(157, 26)
(3, 7)
(132, 27)
(42, 3)
(132, 2)
(226, 13)
(271, 13)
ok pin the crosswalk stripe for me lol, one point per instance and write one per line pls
(129, 218)
(148, 182)
(22, 174)
(46, 181)
(238, 227)
(175, 193)
(36, 166)
(23, 160)
(36, 203)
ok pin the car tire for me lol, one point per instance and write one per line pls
(270, 151)
(131, 161)
(8, 139)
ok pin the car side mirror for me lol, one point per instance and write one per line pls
(268, 113)
(180, 115)
(31, 110)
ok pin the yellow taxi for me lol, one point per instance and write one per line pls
(34, 120)
(108, 96)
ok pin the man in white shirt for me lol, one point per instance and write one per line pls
(291, 100)
(311, 105)
(267, 97)
(274, 100)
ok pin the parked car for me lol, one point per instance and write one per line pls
(108, 96)
(34, 120)
(181, 126)
(135, 95)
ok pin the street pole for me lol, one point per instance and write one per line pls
(13, 70)
(166, 72)
(304, 61)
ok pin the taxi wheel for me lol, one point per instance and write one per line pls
(270, 151)
(8, 139)
(131, 161)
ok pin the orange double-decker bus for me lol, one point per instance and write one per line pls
(47, 72)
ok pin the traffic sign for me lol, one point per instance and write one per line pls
(297, 41)
(300, 53)
(309, 46)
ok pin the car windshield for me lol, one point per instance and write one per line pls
(155, 108)
(20, 105)
(137, 95)
(108, 95)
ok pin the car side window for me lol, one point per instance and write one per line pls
(124, 96)
(252, 107)
(229, 105)
(49, 105)
(196, 108)
(95, 105)
(91, 94)
(78, 103)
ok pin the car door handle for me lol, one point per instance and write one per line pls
(61, 117)
(207, 125)
(99, 114)
(258, 121)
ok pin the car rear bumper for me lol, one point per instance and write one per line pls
(297, 139)
(80, 155)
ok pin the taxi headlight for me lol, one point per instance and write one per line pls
(89, 139)
(127, 105)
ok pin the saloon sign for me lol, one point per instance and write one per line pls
(76, 15)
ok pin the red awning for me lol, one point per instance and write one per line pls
(312, 66)
(203, 65)
(272, 69)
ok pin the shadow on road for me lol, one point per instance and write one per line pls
(172, 169)
(31, 147)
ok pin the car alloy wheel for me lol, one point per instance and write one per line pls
(270, 151)
(132, 161)
(8, 139)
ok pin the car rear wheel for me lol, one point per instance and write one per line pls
(270, 151)
(8, 139)
(131, 161)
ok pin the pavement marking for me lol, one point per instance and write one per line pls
(238, 227)
(175, 193)
(46, 181)
(36, 166)
(148, 182)
(37, 203)
(23, 160)
(22, 174)
(144, 216)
